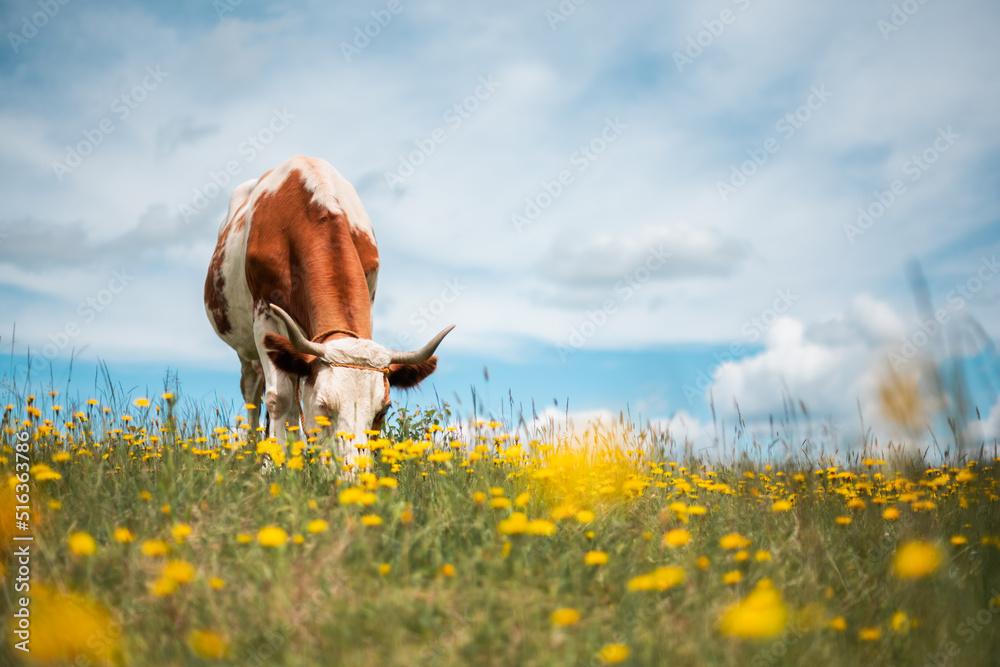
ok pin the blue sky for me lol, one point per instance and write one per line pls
(631, 206)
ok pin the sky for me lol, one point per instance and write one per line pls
(691, 212)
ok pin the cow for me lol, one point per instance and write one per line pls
(290, 288)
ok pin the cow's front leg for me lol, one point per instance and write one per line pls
(252, 386)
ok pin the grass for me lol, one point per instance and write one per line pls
(449, 577)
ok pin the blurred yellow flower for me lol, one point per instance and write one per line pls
(565, 616)
(869, 634)
(760, 614)
(677, 537)
(900, 622)
(448, 570)
(660, 579)
(703, 563)
(595, 558)
(82, 544)
(244, 538)
(479, 497)
(180, 571)
(272, 536)
(916, 559)
(208, 645)
(613, 653)
(843, 520)
(733, 577)
(959, 540)
(123, 535)
(317, 526)
(585, 516)
(384, 569)
(781, 506)
(890, 513)
(275, 490)
(733, 541)
(180, 531)
(499, 503)
(838, 623)
(155, 548)
(371, 520)
(216, 583)
(762, 556)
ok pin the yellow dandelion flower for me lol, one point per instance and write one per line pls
(371, 520)
(522, 499)
(82, 544)
(585, 516)
(703, 563)
(733, 541)
(317, 526)
(760, 614)
(499, 503)
(733, 577)
(63, 628)
(741, 556)
(155, 548)
(384, 568)
(916, 559)
(870, 634)
(180, 571)
(123, 535)
(890, 513)
(540, 527)
(900, 622)
(838, 623)
(163, 587)
(180, 531)
(448, 570)
(613, 653)
(272, 536)
(216, 583)
(595, 558)
(843, 520)
(298, 538)
(959, 540)
(660, 579)
(781, 506)
(762, 556)
(208, 645)
(479, 497)
(565, 616)
(244, 538)
(677, 537)
(141, 402)
(275, 490)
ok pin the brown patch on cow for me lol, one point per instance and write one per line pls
(284, 356)
(305, 259)
(407, 376)
(215, 282)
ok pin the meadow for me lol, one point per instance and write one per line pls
(170, 536)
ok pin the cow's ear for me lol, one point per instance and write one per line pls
(284, 356)
(407, 376)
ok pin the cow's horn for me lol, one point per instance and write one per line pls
(421, 355)
(296, 336)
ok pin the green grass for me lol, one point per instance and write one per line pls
(325, 602)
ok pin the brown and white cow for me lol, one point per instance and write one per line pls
(290, 288)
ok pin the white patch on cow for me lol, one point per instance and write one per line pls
(239, 199)
(328, 187)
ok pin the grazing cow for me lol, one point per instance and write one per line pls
(290, 288)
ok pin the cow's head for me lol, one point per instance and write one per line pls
(347, 380)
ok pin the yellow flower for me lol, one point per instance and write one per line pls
(781, 506)
(595, 558)
(741, 556)
(163, 587)
(180, 531)
(515, 524)
(275, 490)
(244, 538)
(613, 653)
(63, 628)
(499, 503)
(479, 497)
(762, 556)
(59, 457)
(155, 548)
(141, 402)
(165, 509)
(272, 536)
(565, 616)
(123, 535)
(584, 516)
(916, 559)
(838, 623)
(82, 544)
(733, 541)
(870, 634)
(317, 526)
(677, 537)
(179, 571)
(540, 527)
(760, 614)
(959, 540)
(448, 570)
(890, 513)
(371, 520)
(660, 579)
(216, 583)
(900, 622)
(702, 563)
(384, 569)
(843, 520)
(733, 577)
(146, 495)
(522, 499)
(208, 645)
(298, 539)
